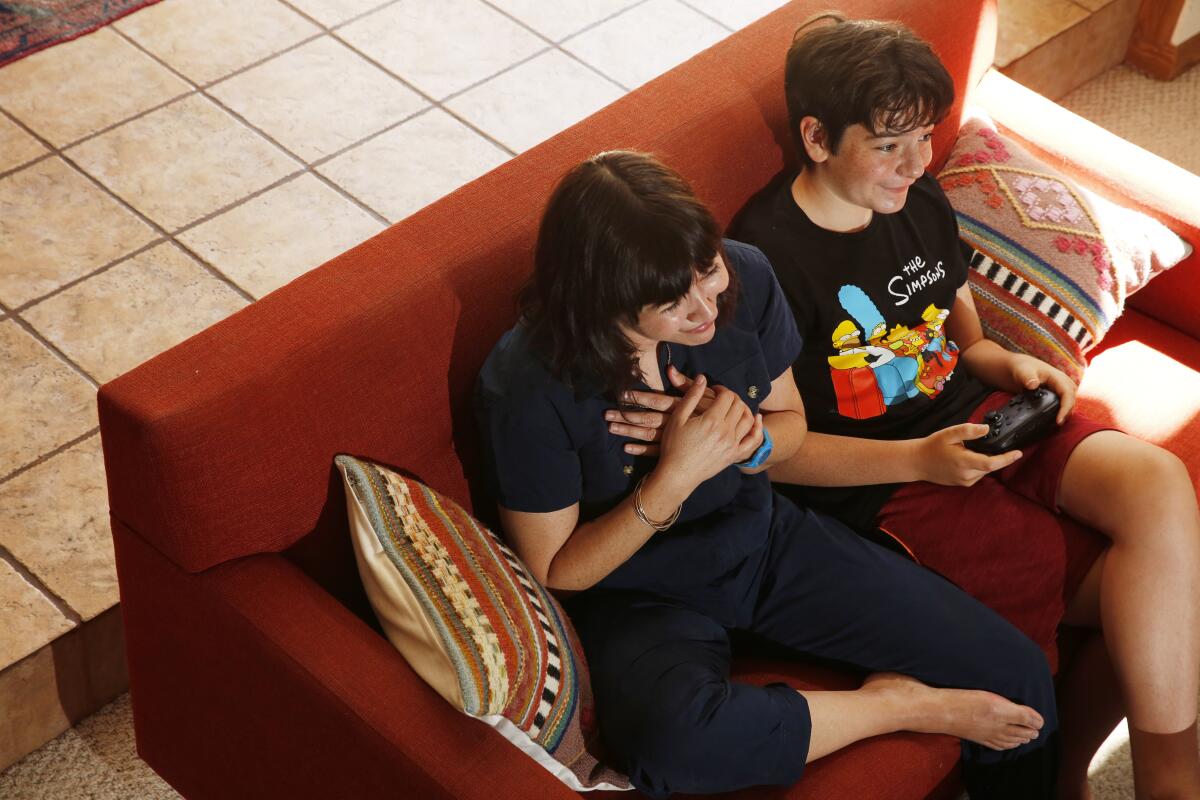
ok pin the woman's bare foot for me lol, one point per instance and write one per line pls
(981, 717)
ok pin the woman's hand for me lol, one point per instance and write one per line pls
(696, 446)
(942, 458)
(644, 422)
(1030, 373)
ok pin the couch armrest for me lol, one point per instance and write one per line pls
(1118, 170)
(249, 680)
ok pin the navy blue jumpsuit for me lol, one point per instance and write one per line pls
(656, 631)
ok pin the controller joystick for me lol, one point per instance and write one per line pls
(1025, 418)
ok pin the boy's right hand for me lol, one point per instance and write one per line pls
(943, 459)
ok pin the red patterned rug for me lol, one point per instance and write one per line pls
(27, 26)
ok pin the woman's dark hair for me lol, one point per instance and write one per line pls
(621, 231)
(876, 74)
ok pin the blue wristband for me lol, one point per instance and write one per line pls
(761, 454)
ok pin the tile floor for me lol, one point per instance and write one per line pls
(161, 173)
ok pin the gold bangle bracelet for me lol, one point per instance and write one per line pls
(641, 512)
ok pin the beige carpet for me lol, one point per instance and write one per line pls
(93, 760)
(1163, 117)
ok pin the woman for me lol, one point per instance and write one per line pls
(666, 553)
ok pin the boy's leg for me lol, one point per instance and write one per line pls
(831, 594)
(1143, 499)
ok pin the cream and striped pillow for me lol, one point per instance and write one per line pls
(466, 614)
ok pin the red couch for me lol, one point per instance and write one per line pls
(255, 666)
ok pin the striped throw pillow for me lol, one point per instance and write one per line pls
(1051, 263)
(466, 614)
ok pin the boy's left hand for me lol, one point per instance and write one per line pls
(1030, 373)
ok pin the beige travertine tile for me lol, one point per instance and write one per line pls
(54, 520)
(643, 42)
(1025, 24)
(16, 146)
(531, 102)
(43, 402)
(740, 14)
(30, 619)
(410, 166)
(141, 161)
(32, 710)
(1079, 53)
(208, 39)
(57, 225)
(442, 47)
(561, 19)
(275, 237)
(44, 693)
(113, 321)
(335, 12)
(79, 87)
(319, 98)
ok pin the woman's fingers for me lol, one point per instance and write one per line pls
(691, 398)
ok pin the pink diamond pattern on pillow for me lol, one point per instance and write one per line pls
(1052, 263)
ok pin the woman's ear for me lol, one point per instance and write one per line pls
(814, 138)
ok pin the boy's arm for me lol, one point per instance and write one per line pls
(827, 460)
(1000, 368)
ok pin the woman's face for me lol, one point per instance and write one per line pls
(689, 320)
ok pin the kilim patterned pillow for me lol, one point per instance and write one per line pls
(462, 609)
(1052, 262)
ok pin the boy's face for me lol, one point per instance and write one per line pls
(874, 171)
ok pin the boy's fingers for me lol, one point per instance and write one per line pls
(1003, 460)
(967, 431)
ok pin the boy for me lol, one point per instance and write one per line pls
(895, 376)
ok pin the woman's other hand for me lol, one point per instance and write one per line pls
(696, 446)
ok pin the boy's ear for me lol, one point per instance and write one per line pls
(814, 138)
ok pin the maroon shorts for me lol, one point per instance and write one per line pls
(1004, 540)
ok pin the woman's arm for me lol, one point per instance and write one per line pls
(563, 554)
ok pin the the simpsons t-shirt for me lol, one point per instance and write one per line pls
(870, 306)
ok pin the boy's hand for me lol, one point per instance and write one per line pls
(1030, 373)
(943, 459)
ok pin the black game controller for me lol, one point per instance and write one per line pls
(1025, 418)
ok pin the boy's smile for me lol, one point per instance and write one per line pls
(869, 173)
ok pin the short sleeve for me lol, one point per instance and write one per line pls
(765, 308)
(532, 464)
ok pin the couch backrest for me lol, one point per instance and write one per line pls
(223, 446)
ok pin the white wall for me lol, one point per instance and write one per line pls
(1189, 22)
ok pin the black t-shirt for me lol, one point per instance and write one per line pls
(548, 447)
(870, 306)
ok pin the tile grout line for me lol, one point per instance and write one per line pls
(28, 304)
(37, 583)
(304, 166)
(557, 44)
(49, 454)
(706, 15)
(51, 346)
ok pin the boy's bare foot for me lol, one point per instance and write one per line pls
(977, 716)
